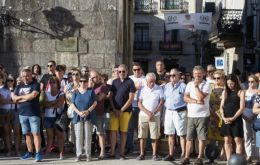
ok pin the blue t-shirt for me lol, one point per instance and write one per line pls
(121, 92)
(83, 102)
(31, 107)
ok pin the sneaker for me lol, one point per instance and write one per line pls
(27, 155)
(88, 159)
(122, 157)
(38, 157)
(156, 158)
(77, 159)
(168, 158)
(198, 161)
(140, 157)
(185, 161)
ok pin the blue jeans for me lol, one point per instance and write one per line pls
(133, 125)
(30, 124)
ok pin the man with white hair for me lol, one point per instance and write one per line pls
(150, 104)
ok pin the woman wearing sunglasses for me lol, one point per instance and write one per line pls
(83, 104)
(54, 104)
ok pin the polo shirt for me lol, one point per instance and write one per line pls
(141, 81)
(198, 110)
(30, 107)
(121, 90)
(151, 98)
(174, 95)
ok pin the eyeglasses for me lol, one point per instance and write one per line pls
(49, 65)
(83, 81)
(172, 75)
(217, 78)
(10, 80)
(182, 78)
(121, 71)
(136, 69)
(75, 74)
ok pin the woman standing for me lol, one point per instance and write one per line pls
(83, 104)
(215, 117)
(231, 109)
(54, 104)
(248, 116)
(5, 100)
(37, 72)
(15, 123)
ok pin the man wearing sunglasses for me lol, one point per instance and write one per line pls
(122, 94)
(140, 81)
(51, 72)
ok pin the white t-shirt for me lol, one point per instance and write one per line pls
(140, 81)
(198, 110)
(6, 95)
(50, 112)
(151, 98)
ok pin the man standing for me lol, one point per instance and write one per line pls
(45, 78)
(27, 96)
(160, 72)
(150, 103)
(197, 96)
(122, 94)
(100, 90)
(139, 80)
(176, 113)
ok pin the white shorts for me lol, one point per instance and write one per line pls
(175, 120)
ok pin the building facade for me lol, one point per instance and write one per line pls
(95, 33)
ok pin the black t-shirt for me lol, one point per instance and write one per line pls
(45, 79)
(160, 79)
(121, 92)
(31, 107)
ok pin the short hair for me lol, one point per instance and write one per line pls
(27, 70)
(159, 60)
(123, 66)
(137, 64)
(150, 74)
(60, 68)
(211, 66)
(198, 67)
(219, 72)
(177, 70)
(52, 61)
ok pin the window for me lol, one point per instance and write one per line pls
(170, 4)
(142, 5)
(210, 7)
(141, 37)
(171, 35)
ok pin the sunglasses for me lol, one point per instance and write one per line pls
(217, 78)
(75, 74)
(136, 69)
(172, 75)
(121, 71)
(10, 80)
(84, 81)
(49, 65)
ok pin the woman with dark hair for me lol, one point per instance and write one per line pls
(54, 103)
(37, 72)
(231, 110)
(15, 123)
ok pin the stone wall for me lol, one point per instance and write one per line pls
(93, 22)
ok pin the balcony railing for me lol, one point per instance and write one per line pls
(170, 4)
(142, 45)
(170, 46)
(143, 5)
(230, 20)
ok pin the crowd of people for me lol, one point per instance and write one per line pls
(192, 108)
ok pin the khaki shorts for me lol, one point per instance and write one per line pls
(144, 125)
(197, 126)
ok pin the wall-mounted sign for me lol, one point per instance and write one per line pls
(219, 62)
(69, 44)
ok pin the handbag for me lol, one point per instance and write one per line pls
(256, 125)
(61, 121)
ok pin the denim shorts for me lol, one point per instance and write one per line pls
(49, 122)
(30, 124)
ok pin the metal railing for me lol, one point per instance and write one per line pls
(170, 4)
(230, 20)
(143, 5)
(170, 46)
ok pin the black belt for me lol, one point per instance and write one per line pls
(179, 109)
